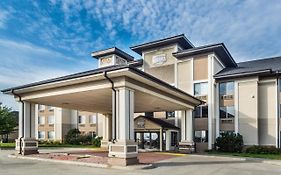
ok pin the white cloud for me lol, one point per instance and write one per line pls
(27, 63)
(4, 15)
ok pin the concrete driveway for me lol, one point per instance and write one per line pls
(181, 165)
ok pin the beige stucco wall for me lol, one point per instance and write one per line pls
(184, 73)
(267, 113)
(165, 71)
(200, 67)
(248, 111)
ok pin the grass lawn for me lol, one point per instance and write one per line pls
(263, 156)
(12, 145)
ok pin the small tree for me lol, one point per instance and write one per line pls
(229, 142)
(7, 121)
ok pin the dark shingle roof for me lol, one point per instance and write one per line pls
(161, 122)
(254, 67)
(180, 39)
(113, 50)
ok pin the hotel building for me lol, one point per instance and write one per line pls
(176, 93)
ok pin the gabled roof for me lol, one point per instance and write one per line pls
(110, 51)
(183, 42)
(219, 49)
(161, 122)
(255, 67)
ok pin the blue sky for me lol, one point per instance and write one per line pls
(44, 39)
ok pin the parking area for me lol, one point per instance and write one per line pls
(177, 165)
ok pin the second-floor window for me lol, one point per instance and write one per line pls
(41, 107)
(200, 89)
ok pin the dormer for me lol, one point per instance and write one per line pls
(112, 56)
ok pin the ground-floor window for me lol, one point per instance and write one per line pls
(201, 136)
(51, 135)
(41, 134)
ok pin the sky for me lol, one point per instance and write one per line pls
(45, 39)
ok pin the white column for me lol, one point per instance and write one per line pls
(36, 120)
(186, 126)
(124, 151)
(161, 139)
(27, 144)
(168, 140)
(105, 120)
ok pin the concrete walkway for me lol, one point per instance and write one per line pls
(181, 165)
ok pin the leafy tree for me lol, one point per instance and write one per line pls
(8, 121)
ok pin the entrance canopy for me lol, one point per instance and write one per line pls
(92, 91)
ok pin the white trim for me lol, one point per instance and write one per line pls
(277, 112)
(192, 74)
(236, 107)
(201, 81)
(217, 109)
(210, 88)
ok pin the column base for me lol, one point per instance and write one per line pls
(186, 146)
(104, 144)
(123, 153)
(26, 146)
(114, 161)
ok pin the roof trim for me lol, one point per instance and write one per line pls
(180, 39)
(98, 71)
(241, 74)
(209, 48)
(113, 50)
(162, 123)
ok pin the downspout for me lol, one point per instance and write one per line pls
(114, 111)
(278, 112)
(22, 118)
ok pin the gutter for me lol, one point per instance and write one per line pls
(114, 106)
(22, 118)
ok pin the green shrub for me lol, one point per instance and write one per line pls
(229, 142)
(96, 141)
(263, 150)
(72, 137)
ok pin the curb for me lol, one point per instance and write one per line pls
(95, 165)
(260, 160)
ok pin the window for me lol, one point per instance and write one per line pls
(41, 135)
(51, 119)
(41, 120)
(201, 112)
(81, 119)
(170, 114)
(51, 135)
(226, 88)
(201, 136)
(92, 119)
(50, 108)
(41, 107)
(200, 89)
(227, 112)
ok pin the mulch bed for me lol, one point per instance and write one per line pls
(100, 157)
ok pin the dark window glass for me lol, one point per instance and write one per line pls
(204, 111)
(227, 112)
(226, 88)
(197, 112)
(222, 112)
(201, 112)
(149, 114)
(170, 114)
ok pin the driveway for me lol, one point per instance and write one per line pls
(180, 165)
